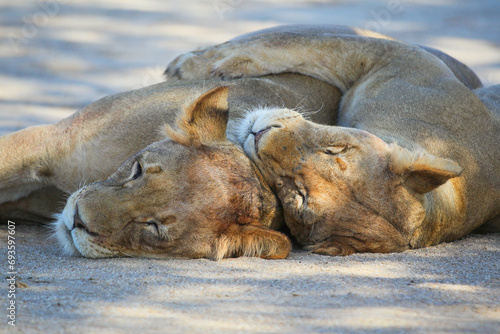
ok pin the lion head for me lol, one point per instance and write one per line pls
(343, 190)
(194, 194)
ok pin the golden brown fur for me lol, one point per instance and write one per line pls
(195, 195)
(415, 162)
(90, 145)
(44, 162)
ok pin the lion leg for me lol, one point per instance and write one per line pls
(62, 155)
(251, 240)
(338, 245)
(341, 60)
(27, 160)
(327, 57)
(329, 53)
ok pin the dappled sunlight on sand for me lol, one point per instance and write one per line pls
(436, 289)
(309, 293)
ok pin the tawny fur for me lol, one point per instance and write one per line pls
(421, 162)
(91, 144)
(193, 195)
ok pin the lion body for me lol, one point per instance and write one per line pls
(435, 176)
(50, 160)
(389, 91)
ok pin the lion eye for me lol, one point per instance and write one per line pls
(337, 149)
(136, 171)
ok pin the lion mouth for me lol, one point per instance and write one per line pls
(63, 235)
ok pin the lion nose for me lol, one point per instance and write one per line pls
(78, 222)
(258, 135)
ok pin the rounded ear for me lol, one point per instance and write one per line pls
(422, 172)
(251, 240)
(204, 121)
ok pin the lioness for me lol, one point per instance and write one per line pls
(193, 195)
(90, 145)
(415, 160)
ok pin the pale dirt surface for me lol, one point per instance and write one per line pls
(58, 56)
(449, 288)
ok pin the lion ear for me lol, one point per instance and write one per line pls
(204, 121)
(251, 240)
(422, 172)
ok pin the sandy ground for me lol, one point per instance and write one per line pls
(57, 56)
(450, 288)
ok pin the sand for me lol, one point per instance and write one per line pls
(450, 288)
(58, 56)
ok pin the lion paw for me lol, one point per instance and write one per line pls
(331, 248)
(189, 66)
(223, 62)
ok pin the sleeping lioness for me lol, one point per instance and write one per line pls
(415, 160)
(90, 145)
(192, 195)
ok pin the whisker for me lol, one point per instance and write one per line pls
(307, 114)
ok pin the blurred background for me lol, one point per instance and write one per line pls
(57, 56)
